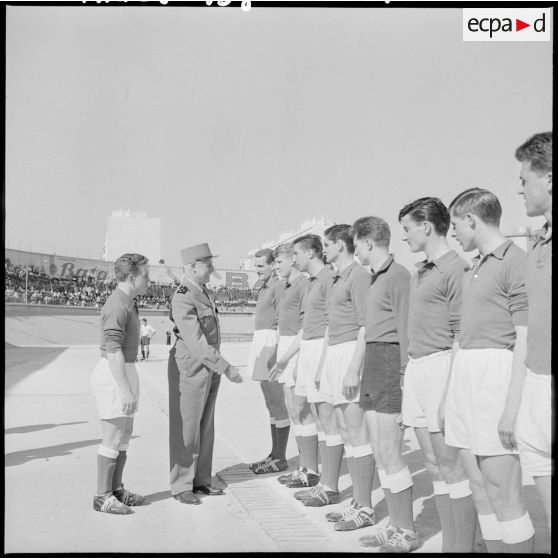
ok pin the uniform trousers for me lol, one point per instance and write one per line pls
(192, 398)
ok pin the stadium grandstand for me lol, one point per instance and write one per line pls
(33, 278)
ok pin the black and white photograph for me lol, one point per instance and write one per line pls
(278, 277)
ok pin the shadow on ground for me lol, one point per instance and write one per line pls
(158, 496)
(20, 457)
(36, 427)
(20, 362)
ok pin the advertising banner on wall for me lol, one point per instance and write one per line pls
(67, 267)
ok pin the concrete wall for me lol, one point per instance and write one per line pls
(50, 325)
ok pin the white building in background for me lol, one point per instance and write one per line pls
(132, 231)
(316, 225)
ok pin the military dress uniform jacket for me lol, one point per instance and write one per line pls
(197, 330)
(194, 374)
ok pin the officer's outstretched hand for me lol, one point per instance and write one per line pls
(233, 374)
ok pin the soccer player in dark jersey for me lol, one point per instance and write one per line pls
(534, 420)
(484, 389)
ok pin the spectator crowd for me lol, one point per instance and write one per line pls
(88, 292)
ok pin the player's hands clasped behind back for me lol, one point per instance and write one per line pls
(233, 374)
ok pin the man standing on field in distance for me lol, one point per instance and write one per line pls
(380, 390)
(534, 419)
(146, 333)
(262, 357)
(484, 389)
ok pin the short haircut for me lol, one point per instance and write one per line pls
(128, 264)
(267, 253)
(341, 232)
(374, 228)
(144, 320)
(538, 151)
(311, 242)
(479, 202)
(285, 249)
(431, 210)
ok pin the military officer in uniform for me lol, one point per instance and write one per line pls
(194, 372)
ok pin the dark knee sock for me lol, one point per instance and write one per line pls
(106, 463)
(464, 516)
(349, 461)
(281, 439)
(362, 475)
(518, 535)
(143, 353)
(332, 468)
(491, 533)
(119, 468)
(400, 501)
(321, 448)
(309, 448)
(523, 547)
(441, 497)
(384, 484)
(298, 439)
(273, 439)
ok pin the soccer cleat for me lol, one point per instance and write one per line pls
(288, 477)
(302, 494)
(108, 503)
(401, 542)
(321, 498)
(273, 466)
(342, 513)
(256, 464)
(355, 520)
(128, 498)
(380, 537)
(304, 479)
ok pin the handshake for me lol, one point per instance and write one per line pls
(233, 374)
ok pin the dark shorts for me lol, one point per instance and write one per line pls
(145, 340)
(380, 388)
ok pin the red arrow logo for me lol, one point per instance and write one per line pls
(519, 25)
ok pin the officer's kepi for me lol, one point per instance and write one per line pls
(197, 252)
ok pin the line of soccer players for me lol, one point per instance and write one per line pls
(458, 351)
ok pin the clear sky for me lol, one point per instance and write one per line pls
(233, 126)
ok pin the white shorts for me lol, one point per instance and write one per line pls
(476, 399)
(105, 389)
(287, 378)
(423, 389)
(534, 425)
(263, 347)
(336, 364)
(309, 356)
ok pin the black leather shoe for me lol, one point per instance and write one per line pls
(209, 490)
(187, 497)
